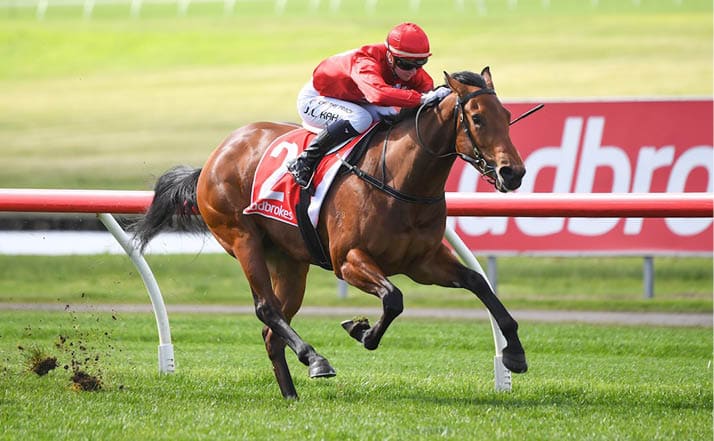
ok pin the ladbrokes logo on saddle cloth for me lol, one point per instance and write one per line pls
(275, 194)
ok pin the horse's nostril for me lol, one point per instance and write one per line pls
(511, 177)
(507, 174)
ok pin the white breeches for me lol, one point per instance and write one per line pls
(317, 112)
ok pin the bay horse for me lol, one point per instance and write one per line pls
(370, 231)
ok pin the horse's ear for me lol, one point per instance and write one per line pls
(486, 74)
(449, 81)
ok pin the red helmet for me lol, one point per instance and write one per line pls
(408, 40)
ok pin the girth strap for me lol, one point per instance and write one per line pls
(309, 233)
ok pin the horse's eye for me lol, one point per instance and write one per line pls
(477, 120)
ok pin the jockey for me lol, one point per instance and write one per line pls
(351, 90)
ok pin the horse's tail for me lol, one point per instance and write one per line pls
(173, 207)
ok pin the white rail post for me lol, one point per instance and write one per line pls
(648, 276)
(280, 6)
(42, 6)
(502, 375)
(166, 348)
(335, 6)
(182, 7)
(135, 8)
(341, 289)
(87, 9)
(370, 6)
(492, 271)
(229, 7)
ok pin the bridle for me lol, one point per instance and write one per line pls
(478, 161)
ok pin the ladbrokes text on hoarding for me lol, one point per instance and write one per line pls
(602, 147)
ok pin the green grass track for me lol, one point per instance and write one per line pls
(430, 379)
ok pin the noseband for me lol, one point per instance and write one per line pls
(478, 161)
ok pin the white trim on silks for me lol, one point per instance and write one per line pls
(313, 209)
(405, 54)
(310, 128)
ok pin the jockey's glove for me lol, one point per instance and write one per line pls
(434, 96)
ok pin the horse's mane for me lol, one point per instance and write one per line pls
(464, 77)
(470, 79)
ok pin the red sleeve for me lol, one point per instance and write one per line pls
(366, 74)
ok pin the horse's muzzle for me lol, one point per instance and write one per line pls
(509, 178)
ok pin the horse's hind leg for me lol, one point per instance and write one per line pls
(288, 277)
(276, 353)
(274, 345)
(249, 252)
(359, 270)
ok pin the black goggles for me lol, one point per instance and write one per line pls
(409, 64)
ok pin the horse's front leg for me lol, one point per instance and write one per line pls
(360, 271)
(445, 270)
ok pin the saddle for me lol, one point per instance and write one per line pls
(275, 194)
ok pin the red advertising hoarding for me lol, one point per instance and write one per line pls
(642, 146)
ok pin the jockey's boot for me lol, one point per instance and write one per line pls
(303, 167)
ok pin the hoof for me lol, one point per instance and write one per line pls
(356, 327)
(371, 345)
(514, 362)
(320, 368)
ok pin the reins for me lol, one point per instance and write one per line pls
(478, 161)
(420, 141)
(382, 185)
